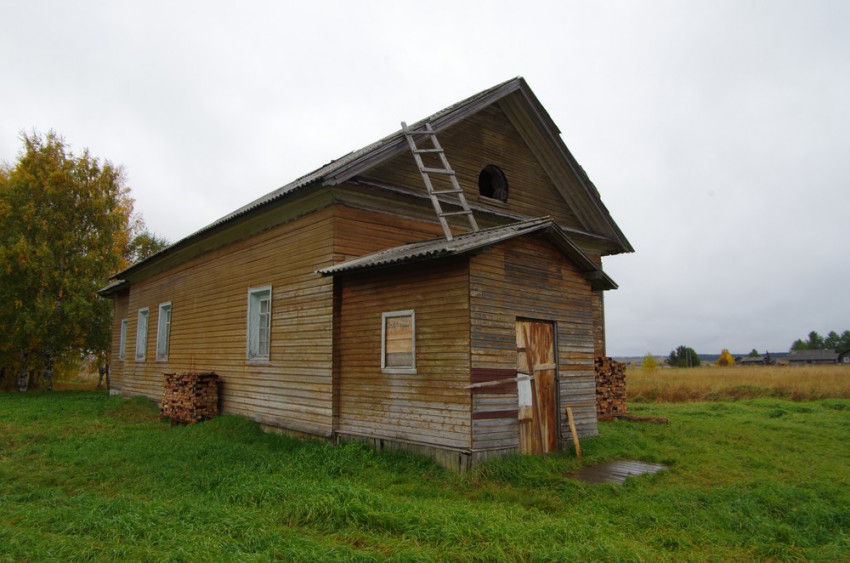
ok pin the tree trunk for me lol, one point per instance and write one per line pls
(23, 376)
(49, 358)
(103, 371)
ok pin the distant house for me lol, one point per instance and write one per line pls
(342, 305)
(803, 357)
(766, 360)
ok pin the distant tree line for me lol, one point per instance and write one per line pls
(815, 341)
(684, 357)
(66, 225)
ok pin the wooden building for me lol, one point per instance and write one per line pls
(339, 305)
(810, 357)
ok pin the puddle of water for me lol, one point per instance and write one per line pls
(615, 471)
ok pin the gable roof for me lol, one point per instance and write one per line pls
(527, 109)
(469, 243)
(812, 356)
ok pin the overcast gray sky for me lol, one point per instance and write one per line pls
(717, 132)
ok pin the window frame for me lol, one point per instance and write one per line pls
(142, 335)
(163, 333)
(122, 340)
(487, 177)
(253, 341)
(405, 370)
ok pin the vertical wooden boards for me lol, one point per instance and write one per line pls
(209, 297)
(529, 279)
(536, 355)
(431, 405)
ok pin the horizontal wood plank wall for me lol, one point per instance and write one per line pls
(209, 302)
(599, 324)
(488, 137)
(529, 278)
(120, 304)
(598, 315)
(359, 232)
(431, 406)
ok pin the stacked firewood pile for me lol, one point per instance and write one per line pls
(610, 387)
(189, 397)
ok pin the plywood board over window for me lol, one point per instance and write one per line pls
(398, 342)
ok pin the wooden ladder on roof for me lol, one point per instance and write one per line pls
(453, 190)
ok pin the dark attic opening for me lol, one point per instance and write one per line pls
(492, 183)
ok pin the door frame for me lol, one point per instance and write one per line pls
(554, 323)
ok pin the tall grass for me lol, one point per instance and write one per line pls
(797, 383)
(86, 476)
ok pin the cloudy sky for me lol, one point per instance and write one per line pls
(718, 132)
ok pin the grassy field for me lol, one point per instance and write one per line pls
(85, 476)
(797, 383)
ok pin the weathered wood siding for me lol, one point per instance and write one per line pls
(359, 232)
(598, 315)
(120, 304)
(431, 406)
(529, 278)
(488, 137)
(209, 297)
(599, 324)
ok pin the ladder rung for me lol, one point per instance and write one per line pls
(447, 213)
(438, 192)
(417, 151)
(412, 132)
(439, 171)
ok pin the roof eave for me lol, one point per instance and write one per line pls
(598, 279)
(116, 286)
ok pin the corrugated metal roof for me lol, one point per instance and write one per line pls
(390, 143)
(331, 168)
(467, 243)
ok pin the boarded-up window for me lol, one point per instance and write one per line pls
(398, 342)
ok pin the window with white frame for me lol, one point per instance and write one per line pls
(122, 340)
(398, 342)
(259, 322)
(142, 334)
(163, 330)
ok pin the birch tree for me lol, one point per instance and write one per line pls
(65, 224)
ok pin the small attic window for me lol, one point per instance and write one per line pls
(492, 183)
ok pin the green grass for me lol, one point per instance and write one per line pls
(85, 476)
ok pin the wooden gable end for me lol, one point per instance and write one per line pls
(488, 137)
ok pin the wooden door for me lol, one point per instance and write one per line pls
(536, 356)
